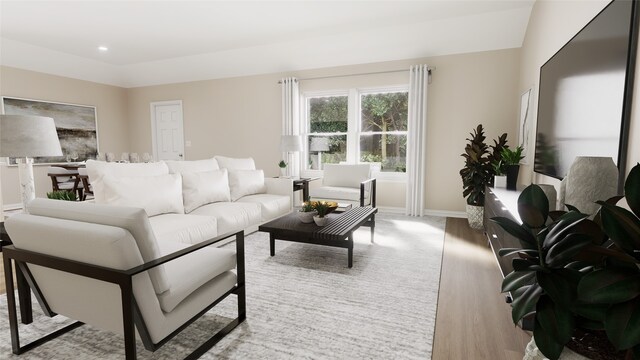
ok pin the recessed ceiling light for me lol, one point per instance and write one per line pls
(103, 48)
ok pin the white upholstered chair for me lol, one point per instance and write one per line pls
(102, 265)
(347, 183)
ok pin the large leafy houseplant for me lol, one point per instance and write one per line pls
(478, 170)
(475, 173)
(577, 273)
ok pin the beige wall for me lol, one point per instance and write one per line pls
(242, 116)
(238, 117)
(551, 25)
(110, 103)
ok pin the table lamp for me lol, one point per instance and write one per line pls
(289, 144)
(319, 144)
(25, 137)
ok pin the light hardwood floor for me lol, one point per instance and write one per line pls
(473, 321)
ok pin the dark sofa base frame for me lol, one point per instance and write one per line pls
(131, 316)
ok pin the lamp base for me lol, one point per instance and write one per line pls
(27, 183)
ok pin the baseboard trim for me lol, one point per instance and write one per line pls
(9, 207)
(446, 213)
(384, 209)
(391, 210)
(429, 212)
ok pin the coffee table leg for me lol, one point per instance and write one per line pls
(350, 248)
(272, 244)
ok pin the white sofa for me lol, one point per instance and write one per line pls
(192, 201)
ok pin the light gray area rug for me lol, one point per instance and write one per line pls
(303, 303)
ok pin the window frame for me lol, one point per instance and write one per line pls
(354, 126)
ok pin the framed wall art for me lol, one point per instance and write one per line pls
(524, 126)
(76, 126)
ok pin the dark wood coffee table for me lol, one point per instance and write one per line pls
(337, 233)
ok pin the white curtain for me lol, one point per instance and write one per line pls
(416, 143)
(290, 120)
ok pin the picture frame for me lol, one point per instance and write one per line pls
(524, 124)
(76, 125)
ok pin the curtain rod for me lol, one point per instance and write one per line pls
(358, 74)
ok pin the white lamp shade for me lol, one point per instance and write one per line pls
(319, 144)
(25, 136)
(290, 143)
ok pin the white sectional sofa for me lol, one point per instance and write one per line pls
(193, 201)
(144, 256)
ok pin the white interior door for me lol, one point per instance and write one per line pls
(168, 130)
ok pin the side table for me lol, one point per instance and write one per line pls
(303, 184)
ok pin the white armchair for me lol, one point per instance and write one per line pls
(347, 183)
(102, 265)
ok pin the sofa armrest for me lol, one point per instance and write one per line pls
(239, 235)
(115, 275)
(372, 193)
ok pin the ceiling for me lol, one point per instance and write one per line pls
(155, 42)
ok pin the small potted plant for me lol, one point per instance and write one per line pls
(307, 212)
(323, 208)
(511, 159)
(495, 158)
(499, 177)
(283, 168)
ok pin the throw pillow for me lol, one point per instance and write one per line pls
(246, 182)
(236, 163)
(155, 194)
(180, 167)
(98, 169)
(201, 188)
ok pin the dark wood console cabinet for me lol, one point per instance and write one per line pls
(503, 203)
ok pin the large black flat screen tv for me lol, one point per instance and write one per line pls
(584, 103)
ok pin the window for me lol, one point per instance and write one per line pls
(328, 128)
(357, 126)
(383, 130)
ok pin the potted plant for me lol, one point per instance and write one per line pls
(307, 212)
(283, 168)
(495, 157)
(511, 160)
(62, 195)
(475, 176)
(581, 276)
(499, 177)
(323, 208)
